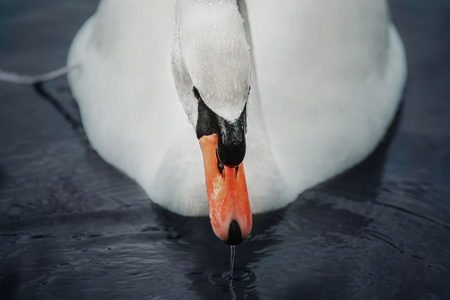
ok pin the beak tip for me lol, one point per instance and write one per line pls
(234, 234)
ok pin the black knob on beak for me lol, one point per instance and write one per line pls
(234, 234)
(231, 143)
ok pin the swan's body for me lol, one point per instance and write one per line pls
(326, 82)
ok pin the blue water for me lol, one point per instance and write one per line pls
(73, 227)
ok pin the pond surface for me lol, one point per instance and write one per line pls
(73, 227)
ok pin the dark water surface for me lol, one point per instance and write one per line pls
(73, 227)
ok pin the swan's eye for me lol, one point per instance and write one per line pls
(249, 88)
(196, 94)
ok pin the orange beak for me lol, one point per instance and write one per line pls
(229, 207)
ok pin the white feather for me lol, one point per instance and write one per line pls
(327, 79)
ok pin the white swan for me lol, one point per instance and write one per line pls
(325, 77)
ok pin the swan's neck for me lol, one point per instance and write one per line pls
(210, 52)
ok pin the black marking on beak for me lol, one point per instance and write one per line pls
(234, 234)
(231, 144)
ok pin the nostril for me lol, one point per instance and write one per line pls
(220, 166)
(234, 234)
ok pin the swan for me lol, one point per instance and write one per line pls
(228, 108)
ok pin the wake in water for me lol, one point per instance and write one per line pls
(27, 79)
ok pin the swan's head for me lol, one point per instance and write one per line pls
(211, 69)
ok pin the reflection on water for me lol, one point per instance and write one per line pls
(230, 275)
